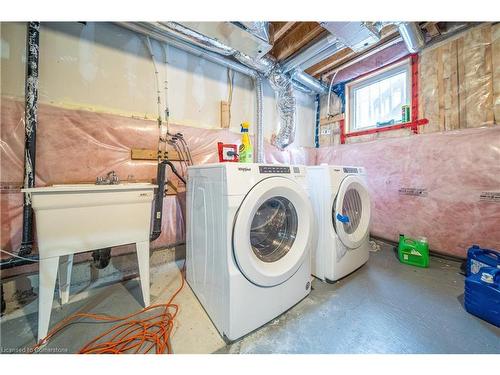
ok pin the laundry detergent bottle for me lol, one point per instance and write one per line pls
(246, 149)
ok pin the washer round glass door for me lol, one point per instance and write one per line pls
(272, 231)
(352, 211)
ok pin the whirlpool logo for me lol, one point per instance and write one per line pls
(244, 169)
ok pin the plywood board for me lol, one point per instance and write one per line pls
(148, 154)
(224, 114)
(279, 29)
(301, 34)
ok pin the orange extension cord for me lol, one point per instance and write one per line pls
(130, 336)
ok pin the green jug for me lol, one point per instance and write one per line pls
(413, 251)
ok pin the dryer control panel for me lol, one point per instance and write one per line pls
(354, 170)
(273, 169)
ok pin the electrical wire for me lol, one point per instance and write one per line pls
(132, 335)
(183, 158)
(19, 256)
(187, 151)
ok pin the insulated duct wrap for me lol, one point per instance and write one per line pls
(285, 102)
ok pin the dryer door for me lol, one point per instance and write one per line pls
(272, 231)
(351, 213)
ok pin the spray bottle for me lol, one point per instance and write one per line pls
(246, 149)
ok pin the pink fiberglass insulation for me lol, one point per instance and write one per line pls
(77, 146)
(453, 168)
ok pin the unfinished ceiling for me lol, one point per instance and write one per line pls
(291, 38)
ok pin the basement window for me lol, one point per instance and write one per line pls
(376, 100)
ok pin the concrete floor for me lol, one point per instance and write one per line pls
(384, 307)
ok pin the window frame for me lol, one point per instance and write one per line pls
(372, 77)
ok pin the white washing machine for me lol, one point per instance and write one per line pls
(341, 205)
(249, 236)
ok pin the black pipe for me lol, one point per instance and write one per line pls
(158, 205)
(16, 262)
(101, 258)
(161, 180)
(31, 119)
(317, 123)
(4, 305)
(172, 167)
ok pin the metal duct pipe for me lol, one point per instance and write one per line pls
(259, 134)
(309, 82)
(194, 37)
(263, 65)
(327, 52)
(159, 34)
(30, 124)
(248, 66)
(300, 58)
(412, 36)
(300, 87)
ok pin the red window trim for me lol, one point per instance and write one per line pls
(415, 122)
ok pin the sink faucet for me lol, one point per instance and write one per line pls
(110, 179)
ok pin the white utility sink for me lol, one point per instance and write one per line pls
(75, 218)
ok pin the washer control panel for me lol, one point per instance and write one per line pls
(273, 169)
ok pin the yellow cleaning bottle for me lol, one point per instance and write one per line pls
(246, 149)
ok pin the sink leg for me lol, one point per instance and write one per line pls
(143, 259)
(65, 266)
(48, 273)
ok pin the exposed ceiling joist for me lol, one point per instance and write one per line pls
(279, 29)
(341, 57)
(297, 37)
(432, 29)
(330, 62)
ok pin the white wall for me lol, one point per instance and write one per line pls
(105, 68)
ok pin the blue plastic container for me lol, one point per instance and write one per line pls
(478, 258)
(482, 294)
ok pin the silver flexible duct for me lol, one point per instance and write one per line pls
(285, 101)
(259, 134)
